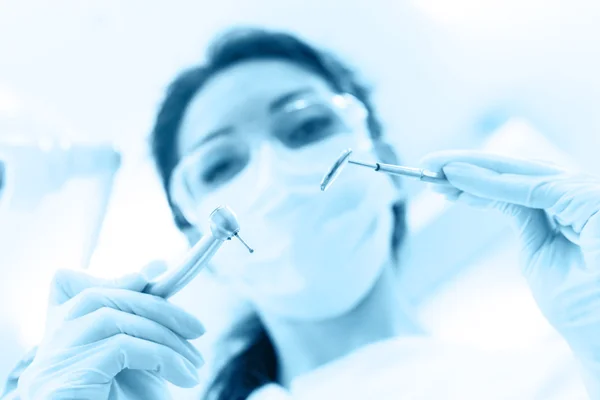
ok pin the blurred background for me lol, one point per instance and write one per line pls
(80, 81)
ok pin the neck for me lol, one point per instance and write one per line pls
(305, 345)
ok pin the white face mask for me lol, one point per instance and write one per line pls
(317, 253)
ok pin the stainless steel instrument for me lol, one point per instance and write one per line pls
(344, 159)
(223, 226)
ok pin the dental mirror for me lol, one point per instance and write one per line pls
(344, 159)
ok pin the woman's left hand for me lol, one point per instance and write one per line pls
(557, 216)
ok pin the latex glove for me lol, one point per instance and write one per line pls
(557, 219)
(106, 340)
(10, 386)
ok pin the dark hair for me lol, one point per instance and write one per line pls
(256, 365)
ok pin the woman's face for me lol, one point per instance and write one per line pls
(248, 103)
(258, 137)
(242, 102)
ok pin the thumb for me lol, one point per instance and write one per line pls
(531, 225)
(154, 269)
(476, 181)
(69, 283)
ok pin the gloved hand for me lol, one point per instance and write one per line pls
(106, 340)
(10, 386)
(557, 217)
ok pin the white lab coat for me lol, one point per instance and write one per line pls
(423, 368)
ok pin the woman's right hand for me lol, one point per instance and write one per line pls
(107, 340)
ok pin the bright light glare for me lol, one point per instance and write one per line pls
(488, 16)
(9, 103)
(31, 316)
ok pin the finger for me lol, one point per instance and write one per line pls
(442, 188)
(23, 363)
(577, 199)
(144, 305)
(436, 161)
(69, 283)
(569, 233)
(107, 322)
(471, 200)
(456, 195)
(126, 352)
(505, 187)
(531, 225)
(589, 240)
(570, 199)
(154, 269)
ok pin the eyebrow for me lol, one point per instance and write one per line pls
(275, 106)
(228, 130)
(279, 103)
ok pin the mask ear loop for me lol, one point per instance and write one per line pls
(180, 189)
(5, 181)
(181, 193)
(384, 152)
(9, 189)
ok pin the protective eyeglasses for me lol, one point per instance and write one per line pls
(300, 124)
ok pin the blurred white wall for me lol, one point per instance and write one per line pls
(444, 69)
(51, 218)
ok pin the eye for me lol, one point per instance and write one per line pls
(310, 130)
(220, 171)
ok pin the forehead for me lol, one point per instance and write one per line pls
(241, 93)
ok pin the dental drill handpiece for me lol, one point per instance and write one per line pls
(223, 226)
